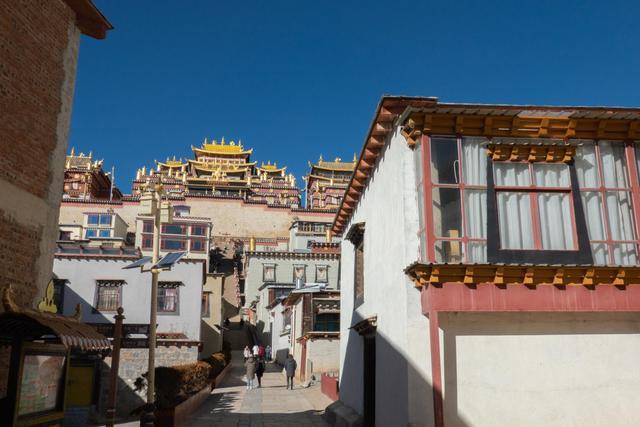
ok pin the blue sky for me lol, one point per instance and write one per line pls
(294, 79)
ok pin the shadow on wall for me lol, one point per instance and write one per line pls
(398, 383)
(211, 338)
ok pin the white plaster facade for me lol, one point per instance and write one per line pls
(389, 209)
(81, 274)
(499, 369)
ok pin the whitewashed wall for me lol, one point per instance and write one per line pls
(541, 369)
(82, 273)
(389, 209)
(323, 355)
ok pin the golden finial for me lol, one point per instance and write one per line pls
(232, 143)
(90, 153)
(355, 158)
(222, 142)
(321, 159)
(205, 141)
(8, 303)
(73, 151)
(338, 160)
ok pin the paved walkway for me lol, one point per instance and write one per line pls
(231, 404)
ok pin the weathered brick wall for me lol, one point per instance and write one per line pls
(133, 363)
(19, 249)
(33, 40)
(38, 47)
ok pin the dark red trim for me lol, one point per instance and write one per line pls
(436, 369)
(488, 297)
(428, 198)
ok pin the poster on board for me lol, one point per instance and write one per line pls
(41, 383)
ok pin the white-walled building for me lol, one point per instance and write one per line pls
(518, 227)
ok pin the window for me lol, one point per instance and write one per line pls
(106, 219)
(356, 236)
(147, 242)
(458, 198)
(198, 230)
(206, 309)
(322, 273)
(198, 245)
(90, 232)
(93, 219)
(105, 233)
(535, 207)
(299, 275)
(75, 185)
(147, 227)
(174, 229)
(327, 322)
(168, 297)
(268, 272)
(108, 294)
(172, 244)
(605, 189)
(64, 235)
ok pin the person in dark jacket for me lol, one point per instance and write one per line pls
(290, 366)
(250, 366)
(260, 371)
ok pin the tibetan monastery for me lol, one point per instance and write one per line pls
(84, 178)
(223, 170)
(326, 183)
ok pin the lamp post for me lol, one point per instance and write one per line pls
(151, 204)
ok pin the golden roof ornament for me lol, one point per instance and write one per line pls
(47, 305)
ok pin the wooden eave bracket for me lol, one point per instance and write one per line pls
(531, 153)
(472, 274)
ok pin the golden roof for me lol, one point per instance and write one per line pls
(81, 161)
(336, 165)
(172, 163)
(216, 147)
(271, 167)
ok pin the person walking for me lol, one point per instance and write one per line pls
(250, 371)
(260, 371)
(267, 352)
(290, 366)
(256, 350)
(247, 352)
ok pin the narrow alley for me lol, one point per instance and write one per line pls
(231, 404)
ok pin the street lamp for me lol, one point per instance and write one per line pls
(151, 204)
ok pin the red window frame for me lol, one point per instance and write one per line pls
(429, 186)
(533, 190)
(201, 241)
(632, 157)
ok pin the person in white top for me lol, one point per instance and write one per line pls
(256, 350)
(247, 352)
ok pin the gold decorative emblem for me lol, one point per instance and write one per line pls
(47, 305)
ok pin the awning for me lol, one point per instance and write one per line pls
(26, 323)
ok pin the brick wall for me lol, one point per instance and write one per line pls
(19, 249)
(133, 363)
(33, 40)
(38, 47)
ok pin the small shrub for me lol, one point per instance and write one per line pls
(217, 362)
(174, 384)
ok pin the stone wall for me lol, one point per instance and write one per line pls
(38, 47)
(133, 363)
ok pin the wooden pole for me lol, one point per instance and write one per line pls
(115, 366)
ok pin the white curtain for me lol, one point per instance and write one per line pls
(555, 221)
(474, 172)
(511, 174)
(514, 218)
(618, 204)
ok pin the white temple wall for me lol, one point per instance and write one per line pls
(389, 209)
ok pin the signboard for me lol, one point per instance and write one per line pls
(41, 383)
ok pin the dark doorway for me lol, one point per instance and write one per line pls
(369, 375)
